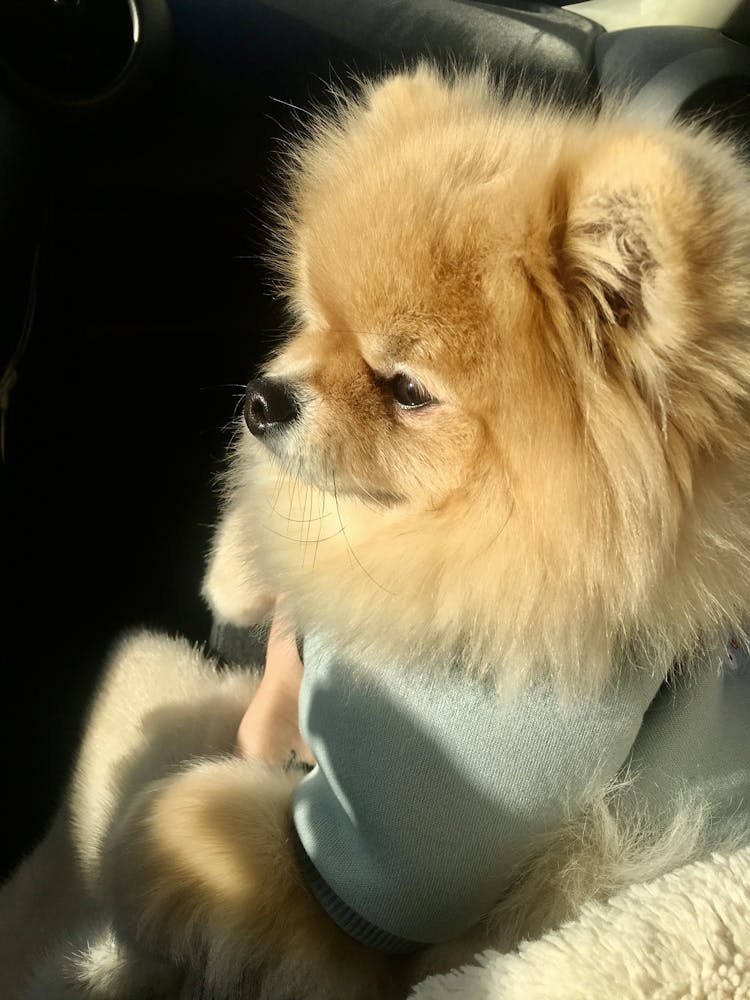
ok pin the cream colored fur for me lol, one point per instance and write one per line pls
(160, 703)
(686, 934)
(574, 294)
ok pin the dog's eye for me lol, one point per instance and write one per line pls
(408, 392)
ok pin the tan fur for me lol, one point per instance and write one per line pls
(160, 703)
(574, 292)
(236, 593)
(204, 866)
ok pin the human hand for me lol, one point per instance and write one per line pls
(269, 730)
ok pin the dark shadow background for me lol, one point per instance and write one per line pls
(151, 310)
(150, 317)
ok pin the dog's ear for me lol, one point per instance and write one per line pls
(649, 243)
(612, 238)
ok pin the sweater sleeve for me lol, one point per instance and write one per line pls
(429, 790)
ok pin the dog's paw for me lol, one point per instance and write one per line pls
(236, 600)
(203, 871)
(232, 587)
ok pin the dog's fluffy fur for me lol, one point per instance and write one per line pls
(573, 294)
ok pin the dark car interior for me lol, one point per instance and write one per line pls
(137, 141)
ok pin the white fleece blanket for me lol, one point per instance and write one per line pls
(685, 935)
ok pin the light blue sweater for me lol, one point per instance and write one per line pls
(429, 791)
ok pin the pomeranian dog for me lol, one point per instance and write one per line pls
(501, 462)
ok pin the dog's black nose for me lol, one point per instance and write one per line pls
(269, 403)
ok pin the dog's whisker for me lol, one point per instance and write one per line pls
(322, 511)
(350, 550)
(224, 385)
(309, 494)
(293, 538)
(278, 487)
(304, 520)
(296, 482)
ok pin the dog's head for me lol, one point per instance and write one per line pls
(533, 324)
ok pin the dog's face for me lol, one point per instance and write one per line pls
(421, 361)
(532, 326)
(493, 292)
(389, 391)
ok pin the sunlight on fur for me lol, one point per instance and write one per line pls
(520, 356)
(572, 291)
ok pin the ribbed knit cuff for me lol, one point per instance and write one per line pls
(346, 918)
